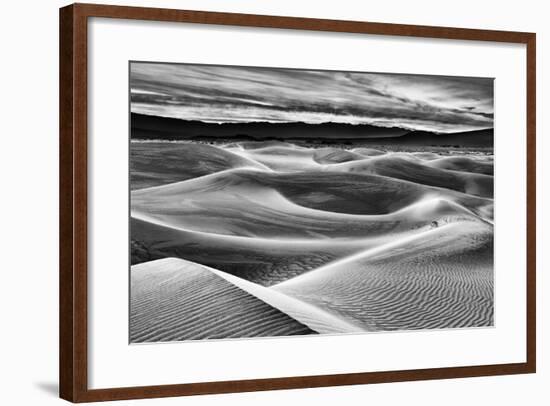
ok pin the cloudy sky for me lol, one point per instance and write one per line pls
(241, 94)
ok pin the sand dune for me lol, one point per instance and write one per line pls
(153, 164)
(263, 261)
(438, 279)
(175, 300)
(313, 317)
(463, 164)
(406, 169)
(271, 238)
(289, 226)
(336, 192)
(281, 158)
(214, 205)
(335, 156)
(426, 156)
(368, 151)
(264, 144)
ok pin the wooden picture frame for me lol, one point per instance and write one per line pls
(73, 198)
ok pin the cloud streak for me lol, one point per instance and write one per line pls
(243, 94)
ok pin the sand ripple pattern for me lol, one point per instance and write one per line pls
(442, 279)
(174, 300)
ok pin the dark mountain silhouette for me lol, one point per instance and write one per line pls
(477, 138)
(144, 126)
(154, 127)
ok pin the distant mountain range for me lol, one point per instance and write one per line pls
(154, 127)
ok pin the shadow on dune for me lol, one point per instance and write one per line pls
(154, 164)
(431, 174)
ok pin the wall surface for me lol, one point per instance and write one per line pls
(28, 164)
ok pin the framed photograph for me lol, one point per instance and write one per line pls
(255, 202)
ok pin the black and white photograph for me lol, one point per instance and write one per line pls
(269, 202)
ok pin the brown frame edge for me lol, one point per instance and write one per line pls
(73, 202)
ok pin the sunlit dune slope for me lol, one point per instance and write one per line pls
(281, 158)
(272, 239)
(418, 172)
(337, 192)
(335, 156)
(263, 261)
(160, 163)
(263, 144)
(313, 317)
(464, 164)
(214, 204)
(368, 151)
(440, 278)
(426, 156)
(176, 300)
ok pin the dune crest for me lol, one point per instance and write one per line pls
(463, 164)
(174, 162)
(419, 172)
(174, 300)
